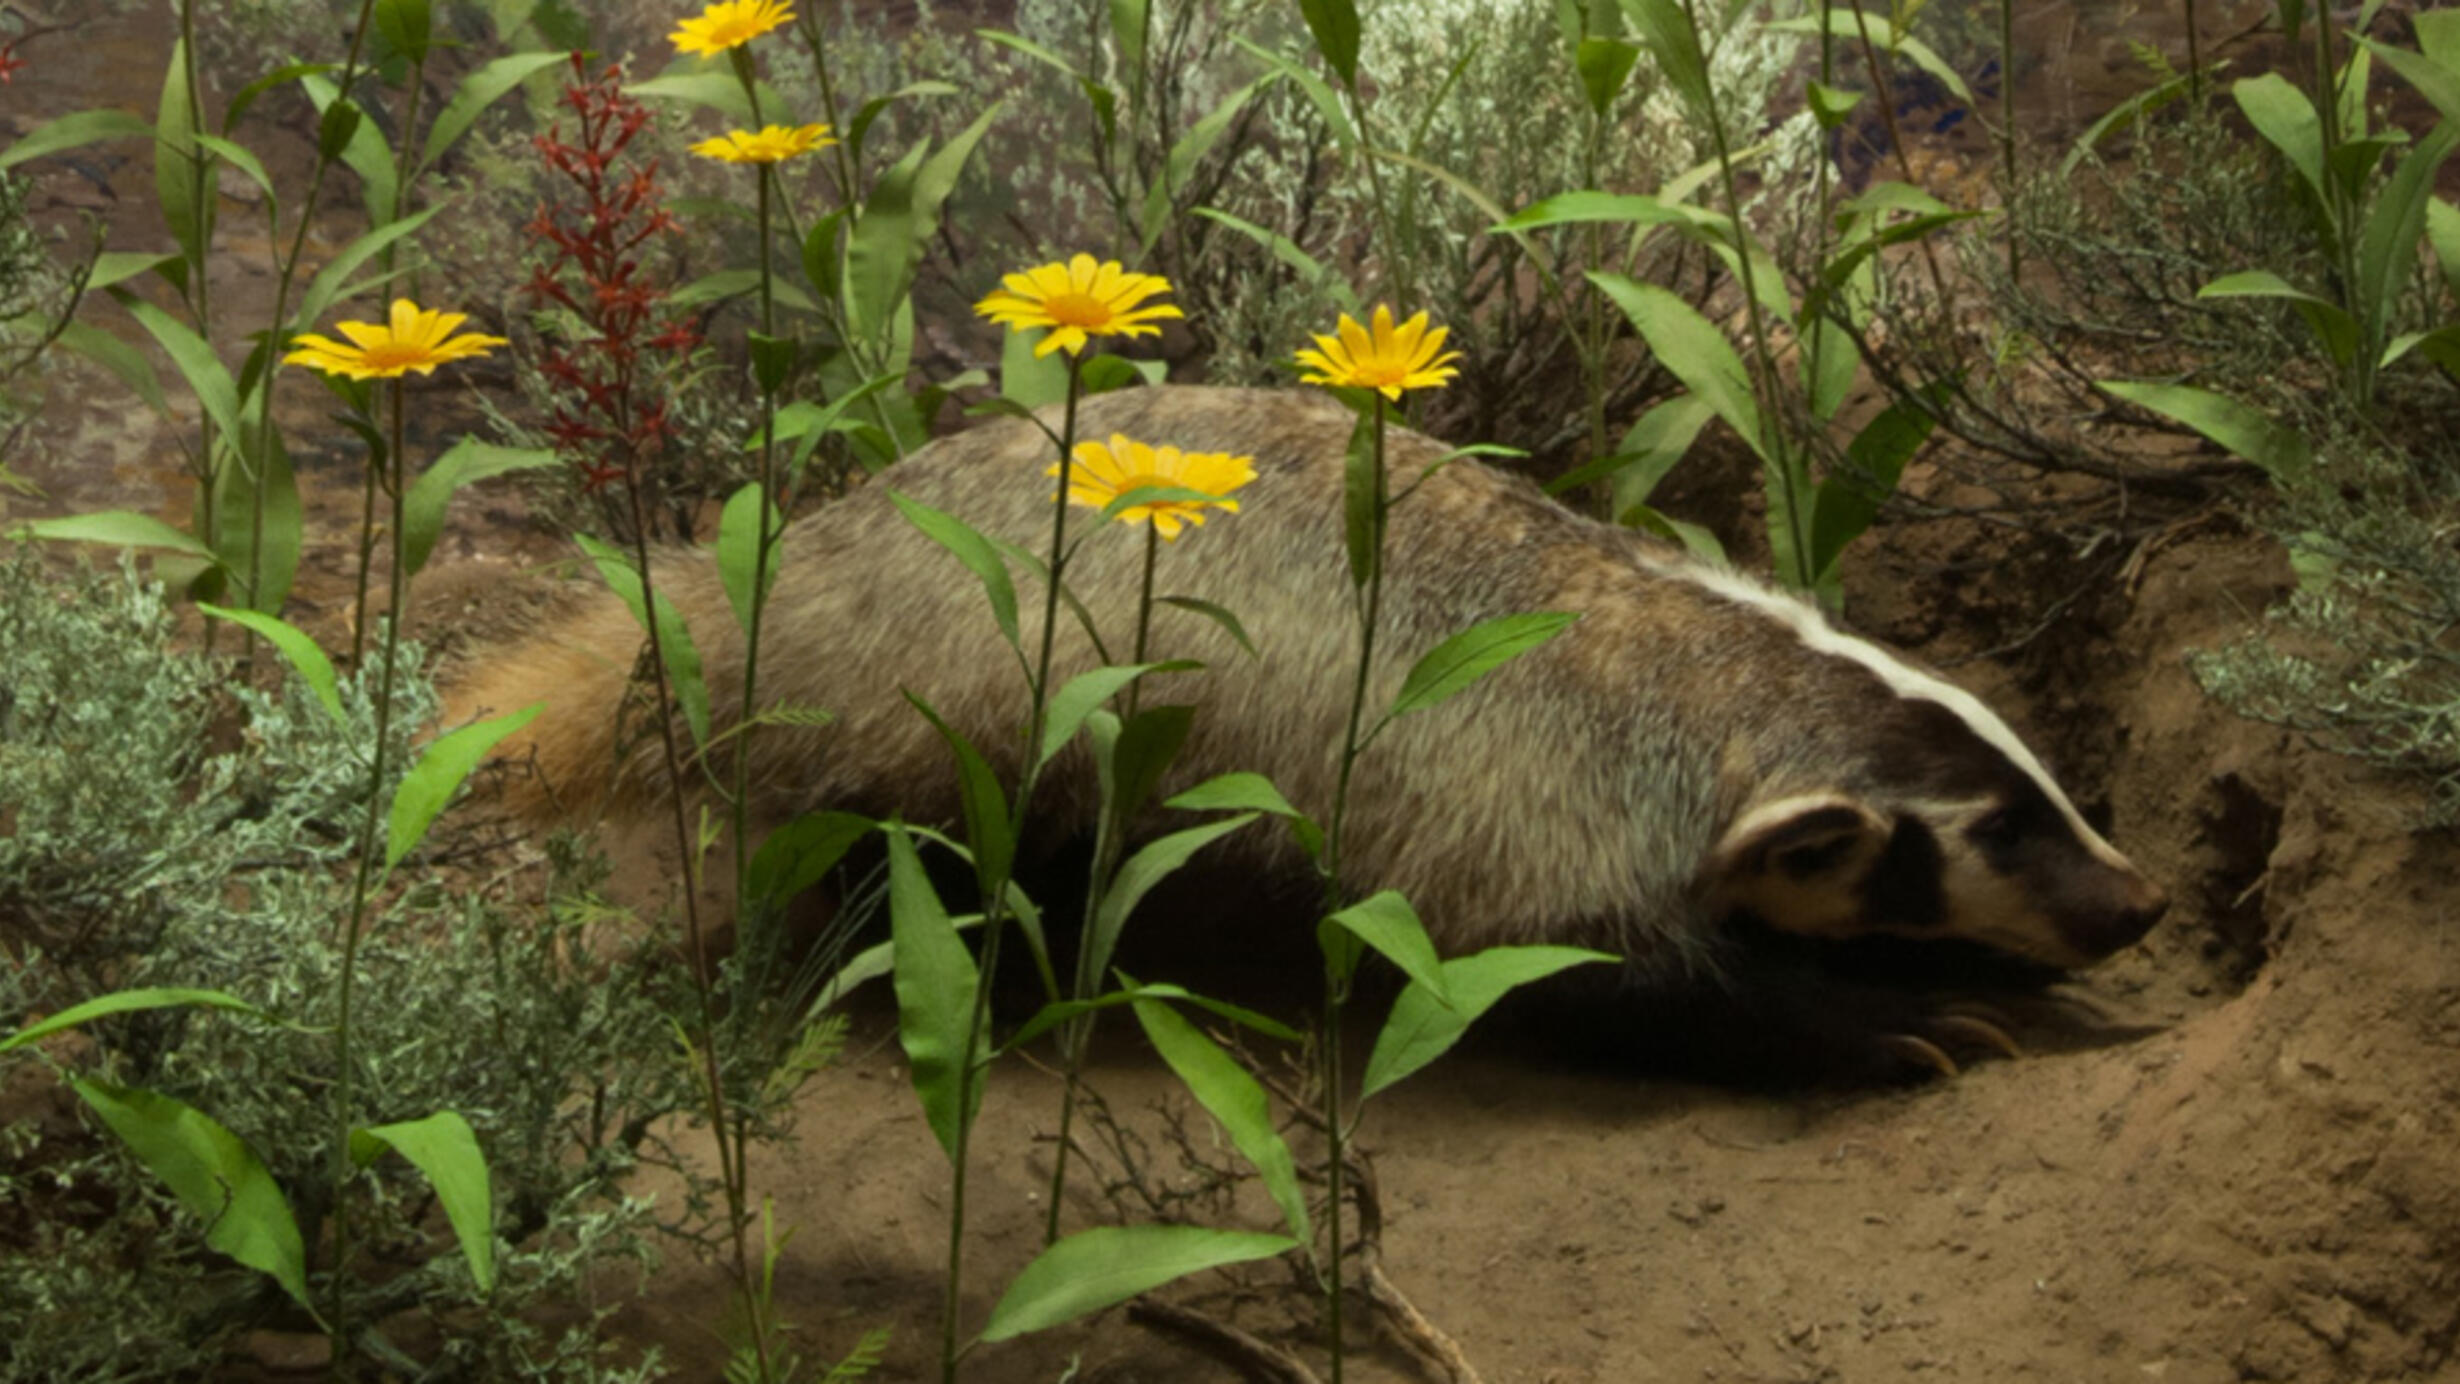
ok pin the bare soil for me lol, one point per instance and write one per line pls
(2229, 1154)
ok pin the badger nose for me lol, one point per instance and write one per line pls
(2139, 914)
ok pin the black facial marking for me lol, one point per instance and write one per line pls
(1903, 888)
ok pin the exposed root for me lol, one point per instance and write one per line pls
(1242, 1350)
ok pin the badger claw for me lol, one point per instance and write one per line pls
(1977, 1032)
(1918, 1052)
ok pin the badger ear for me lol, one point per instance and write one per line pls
(1801, 840)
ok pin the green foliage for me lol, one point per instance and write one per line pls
(2358, 658)
(151, 852)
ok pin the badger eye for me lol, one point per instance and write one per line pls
(1997, 827)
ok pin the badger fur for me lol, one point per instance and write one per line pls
(1697, 753)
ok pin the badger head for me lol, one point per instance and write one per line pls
(1920, 814)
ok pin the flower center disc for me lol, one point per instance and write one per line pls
(395, 357)
(1073, 309)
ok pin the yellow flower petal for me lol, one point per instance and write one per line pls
(1076, 301)
(1105, 471)
(1385, 357)
(411, 339)
(728, 23)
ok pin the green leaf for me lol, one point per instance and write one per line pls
(1238, 791)
(740, 548)
(1422, 1029)
(195, 359)
(1334, 26)
(467, 461)
(1152, 863)
(988, 831)
(120, 358)
(1574, 208)
(2237, 428)
(2437, 81)
(1666, 26)
(129, 1002)
(1659, 439)
(261, 556)
(186, 208)
(239, 157)
(1692, 538)
(362, 149)
(1057, 1012)
(1162, 194)
(1450, 667)
(1147, 746)
(936, 979)
(1385, 921)
(1028, 380)
(1098, 1268)
(1692, 348)
(117, 527)
(1319, 94)
(405, 25)
(2443, 233)
(1310, 270)
(2387, 249)
(1236, 1101)
(1219, 615)
(1604, 65)
(972, 549)
(2334, 328)
(326, 288)
(246, 97)
(219, 1179)
(714, 88)
(119, 266)
(797, 855)
(432, 781)
(1831, 105)
(478, 91)
(2124, 114)
(443, 1147)
(75, 132)
(675, 646)
(1081, 694)
(314, 668)
(1846, 502)
(2282, 114)
(1850, 22)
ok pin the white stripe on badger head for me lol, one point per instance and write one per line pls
(1813, 629)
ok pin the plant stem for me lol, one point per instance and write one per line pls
(360, 891)
(1109, 837)
(995, 907)
(1337, 974)
(2007, 125)
(1776, 430)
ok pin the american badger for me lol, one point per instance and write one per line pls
(1696, 754)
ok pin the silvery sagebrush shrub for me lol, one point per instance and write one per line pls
(2359, 657)
(165, 825)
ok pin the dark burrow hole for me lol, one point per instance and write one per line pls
(2241, 829)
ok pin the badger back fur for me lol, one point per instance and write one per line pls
(1695, 750)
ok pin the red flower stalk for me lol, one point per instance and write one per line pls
(617, 373)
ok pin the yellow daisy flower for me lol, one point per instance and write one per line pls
(773, 144)
(728, 23)
(1078, 300)
(414, 338)
(1390, 358)
(1106, 471)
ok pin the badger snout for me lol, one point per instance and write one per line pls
(2133, 905)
